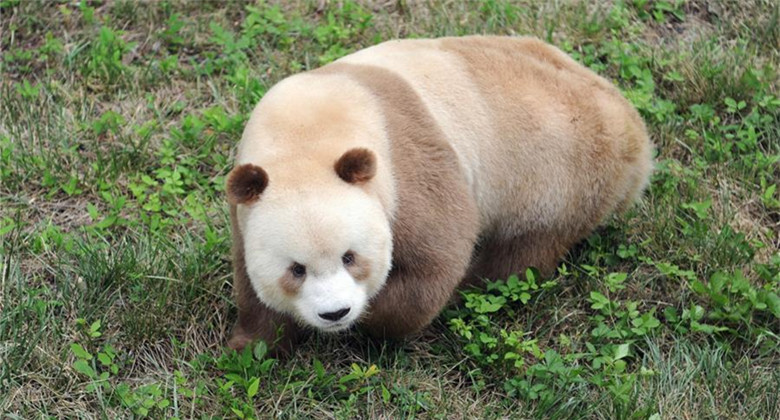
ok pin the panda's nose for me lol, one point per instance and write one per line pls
(335, 315)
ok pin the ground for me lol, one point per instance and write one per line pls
(118, 121)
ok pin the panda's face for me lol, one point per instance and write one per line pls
(318, 256)
(318, 250)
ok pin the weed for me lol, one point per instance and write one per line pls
(117, 126)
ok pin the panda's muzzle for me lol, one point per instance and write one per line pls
(335, 315)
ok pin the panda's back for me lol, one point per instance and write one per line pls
(537, 135)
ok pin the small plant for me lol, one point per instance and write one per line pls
(660, 10)
(27, 90)
(171, 34)
(103, 59)
(735, 300)
(244, 370)
(474, 324)
(357, 381)
(102, 369)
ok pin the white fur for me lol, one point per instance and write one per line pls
(280, 133)
(331, 293)
(315, 228)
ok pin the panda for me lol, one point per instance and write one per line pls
(366, 192)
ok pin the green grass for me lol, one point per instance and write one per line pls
(117, 124)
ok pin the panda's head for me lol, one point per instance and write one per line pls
(317, 250)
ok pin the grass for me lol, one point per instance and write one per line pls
(117, 124)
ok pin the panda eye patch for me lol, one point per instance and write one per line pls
(298, 270)
(348, 258)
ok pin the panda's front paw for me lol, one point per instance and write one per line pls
(240, 340)
(280, 343)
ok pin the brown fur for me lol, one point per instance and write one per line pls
(513, 74)
(356, 166)
(359, 269)
(245, 183)
(289, 283)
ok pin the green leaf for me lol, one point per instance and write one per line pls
(739, 283)
(622, 350)
(599, 301)
(251, 391)
(349, 377)
(260, 350)
(717, 281)
(371, 371)
(237, 412)
(651, 321)
(385, 394)
(671, 314)
(706, 328)
(773, 302)
(525, 297)
(92, 211)
(697, 313)
(80, 352)
(699, 287)
(94, 329)
(700, 208)
(104, 359)
(529, 275)
(319, 369)
(233, 377)
(7, 228)
(769, 192)
(487, 307)
(107, 222)
(266, 365)
(615, 281)
(81, 366)
(109, 350)
(227, 385)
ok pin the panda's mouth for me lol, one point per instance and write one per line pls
(336, 326)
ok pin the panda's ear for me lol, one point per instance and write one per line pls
(356, 166)
(245, 183)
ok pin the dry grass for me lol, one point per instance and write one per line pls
(117, 124)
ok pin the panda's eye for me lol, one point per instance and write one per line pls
(348, 258)
(298, 271)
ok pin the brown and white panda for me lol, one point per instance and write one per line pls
(365, 192)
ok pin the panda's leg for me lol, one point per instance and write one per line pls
(498, 258)
(429, 262)
(412, 298)
(256, 321)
